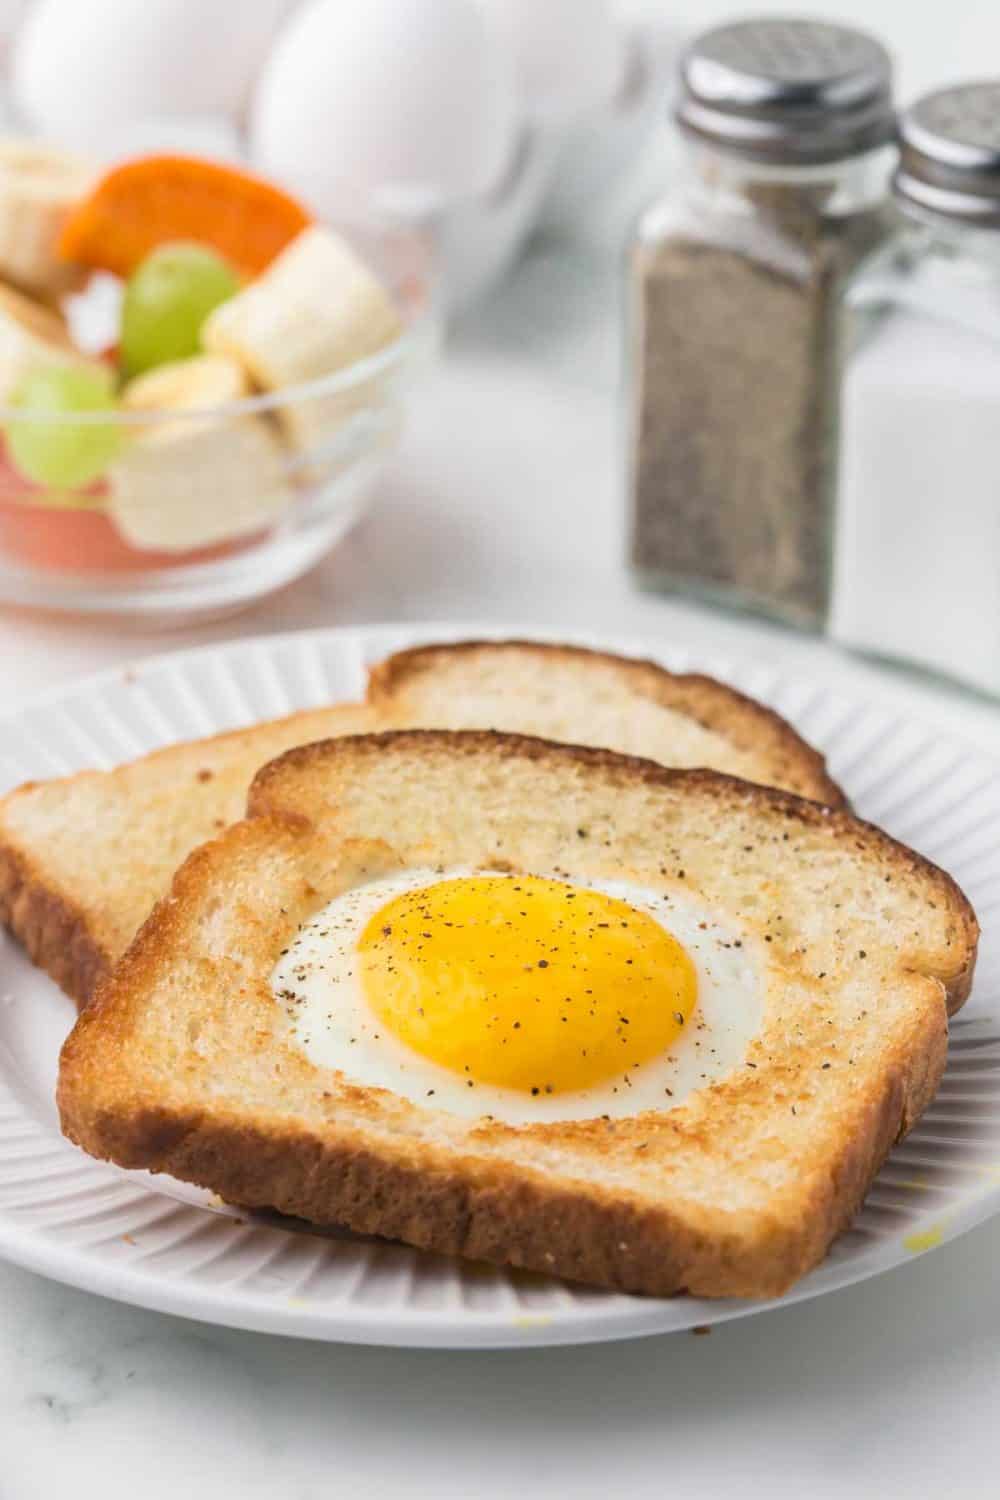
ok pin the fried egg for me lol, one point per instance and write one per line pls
(525, 998)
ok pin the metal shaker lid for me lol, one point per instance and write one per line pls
(950, 153)
(788, 91)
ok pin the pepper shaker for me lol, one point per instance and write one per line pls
(732, 347)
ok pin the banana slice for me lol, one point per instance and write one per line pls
(38, 187)
(197, 478)
(31, 337)
(183, 384)
(315, 310)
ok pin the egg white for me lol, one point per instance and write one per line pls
(316, 983)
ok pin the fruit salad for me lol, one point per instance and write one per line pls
(209, 406)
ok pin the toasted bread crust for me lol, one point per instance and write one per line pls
(713, 704)
(68, 939)
(568, 1198)
(54, 933)
(512, 1218)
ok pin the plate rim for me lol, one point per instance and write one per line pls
(426, 1330)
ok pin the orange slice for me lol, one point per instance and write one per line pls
(154, 199)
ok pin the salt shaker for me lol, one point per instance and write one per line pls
(917, 573)
(732, 347)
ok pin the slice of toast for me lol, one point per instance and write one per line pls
(83, 858)
(583, 697)
(186, 1062)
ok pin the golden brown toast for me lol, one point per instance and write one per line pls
(186, 1063)
(83, 858)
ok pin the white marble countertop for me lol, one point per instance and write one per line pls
(503, 505)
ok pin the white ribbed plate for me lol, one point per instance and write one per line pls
(167, 1246)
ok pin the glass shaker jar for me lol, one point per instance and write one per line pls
(734, 281)
(917, 572)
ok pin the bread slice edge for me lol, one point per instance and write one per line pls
(54, 932)
(706, 700)
(518, 1220)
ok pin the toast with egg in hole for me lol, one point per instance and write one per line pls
(541, 1005)
(84, 858)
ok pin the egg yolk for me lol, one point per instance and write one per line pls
(526, 983)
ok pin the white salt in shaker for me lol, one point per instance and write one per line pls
(917, 555)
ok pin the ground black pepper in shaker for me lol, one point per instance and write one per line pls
(733, 312)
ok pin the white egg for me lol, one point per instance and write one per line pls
(80, 68)
(214, 139)
(387, 102)
(569, 54)
(315, 982)
(11, 12)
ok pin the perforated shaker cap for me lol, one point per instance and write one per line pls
(787, 90)
(950, 153)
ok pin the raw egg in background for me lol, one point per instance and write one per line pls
(569, 55)
(80, 69)
(400, 103)
(524, 998)
(214, 137)
(11, 15)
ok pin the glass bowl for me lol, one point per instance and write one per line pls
(220, 505)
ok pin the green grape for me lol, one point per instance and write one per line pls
(65, 454)
(167, 299)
